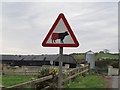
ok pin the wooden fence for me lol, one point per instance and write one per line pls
(75, 72)
(70, 74)
(27, 70)
(29, 84)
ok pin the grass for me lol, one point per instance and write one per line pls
(0, 80)
(80, 57)
(90, 81)
(105, 55)
(8, 80)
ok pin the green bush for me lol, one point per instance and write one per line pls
(43, 72)
(115, 64)
(107, 62)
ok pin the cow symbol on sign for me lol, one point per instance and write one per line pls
(60, 36)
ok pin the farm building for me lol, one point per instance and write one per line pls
(37, 60)
(90, 58)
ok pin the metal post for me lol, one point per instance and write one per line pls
(119, 72)
(119, 42)
(60, 68)
(119, 62)
(119, 34)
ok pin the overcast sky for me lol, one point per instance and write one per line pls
(25, 25)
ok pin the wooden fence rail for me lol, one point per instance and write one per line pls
(75, 72)
(21, 73)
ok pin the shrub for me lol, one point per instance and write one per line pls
(43, 72)
(54, 71)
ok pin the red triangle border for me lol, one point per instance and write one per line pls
(61, 16)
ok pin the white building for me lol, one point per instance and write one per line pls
(90, 58)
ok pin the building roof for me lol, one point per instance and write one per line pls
(12, 57)
(90, 52)
(46, 57)
(66, 58)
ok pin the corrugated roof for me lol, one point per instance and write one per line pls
(66, 58)
(12, 57)
(46, 57)
(29, 57)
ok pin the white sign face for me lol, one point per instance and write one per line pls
(60, 35)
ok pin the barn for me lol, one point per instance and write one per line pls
(37, 60)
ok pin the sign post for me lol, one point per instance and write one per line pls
(60, 68)
(60, 35)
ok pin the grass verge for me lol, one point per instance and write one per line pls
(89, 81)
(8, 80)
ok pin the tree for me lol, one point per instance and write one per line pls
(106, 51)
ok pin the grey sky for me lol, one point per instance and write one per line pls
(25, 25)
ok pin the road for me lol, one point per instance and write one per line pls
(115, 82)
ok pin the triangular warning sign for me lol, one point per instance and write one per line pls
(60, 35)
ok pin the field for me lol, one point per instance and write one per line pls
(89, 81)
(80, 57)
(9, 80)
(103, 55)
